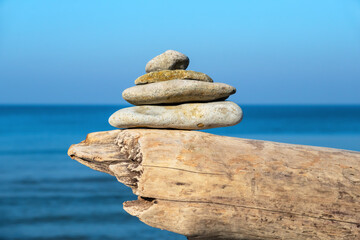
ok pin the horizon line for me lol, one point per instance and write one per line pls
(128, 104)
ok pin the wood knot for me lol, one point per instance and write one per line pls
(353, 175)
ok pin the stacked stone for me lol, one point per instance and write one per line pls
(169, 96)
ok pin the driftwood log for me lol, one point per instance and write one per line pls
(206, 186)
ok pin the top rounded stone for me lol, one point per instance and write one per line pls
(169, 60)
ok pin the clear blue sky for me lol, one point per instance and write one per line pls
(88, 52)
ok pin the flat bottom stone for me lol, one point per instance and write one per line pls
(189, 116)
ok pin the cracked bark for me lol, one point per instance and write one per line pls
(206, 186)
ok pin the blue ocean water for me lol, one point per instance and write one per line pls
(46, 195)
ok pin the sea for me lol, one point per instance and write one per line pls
(46, 195)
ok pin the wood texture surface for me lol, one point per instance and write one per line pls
(207, 186)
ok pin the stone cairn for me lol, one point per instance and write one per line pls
(169, 96)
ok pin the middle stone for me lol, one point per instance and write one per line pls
(177, 91)
(167, 75)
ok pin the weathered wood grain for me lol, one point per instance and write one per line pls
(206, 186)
